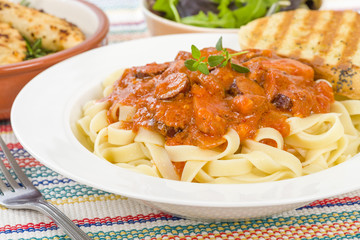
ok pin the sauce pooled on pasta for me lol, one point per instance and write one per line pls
(191, 108)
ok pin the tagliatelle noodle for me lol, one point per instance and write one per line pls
(350, 118)
(353, 108)
(94, 119)
(345, 118)
(109, 81)
(118, 136)
(286, 161)
(181, 153)
(270, 133)
(304, 131)
(191, 169)
(162, 161)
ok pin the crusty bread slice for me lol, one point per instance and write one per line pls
(12, 45)
(327, 40)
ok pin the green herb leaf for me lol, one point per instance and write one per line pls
(224, 63)
(215, 60)
(239, 68)
(35, 50)
(196, 64)
(219, 45)
(24, 3)
(28, 48)
(195, 52)
(203, 68)
(37, 44)
(227, 54)
(238, 53)
(190, 64)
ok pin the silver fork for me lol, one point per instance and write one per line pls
(27, 196)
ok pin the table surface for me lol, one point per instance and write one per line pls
(105, 215)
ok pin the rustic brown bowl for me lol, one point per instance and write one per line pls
(14, 76)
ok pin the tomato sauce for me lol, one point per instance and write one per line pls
(191, 108)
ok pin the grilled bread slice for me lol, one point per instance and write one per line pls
(12, 45)
(56, 34)
(329, 41)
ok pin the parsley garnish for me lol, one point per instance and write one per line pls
(199, 63)
(35, 50)
(25, 3)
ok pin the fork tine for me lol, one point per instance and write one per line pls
(7, 174)
(20, 174)
(3, 187)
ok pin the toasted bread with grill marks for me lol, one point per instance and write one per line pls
(329, 41)
(12, 45)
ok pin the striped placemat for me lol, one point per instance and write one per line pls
(105, 215)
(126, 19)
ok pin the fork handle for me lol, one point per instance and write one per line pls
(69, 227)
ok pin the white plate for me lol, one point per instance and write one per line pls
(44, 113)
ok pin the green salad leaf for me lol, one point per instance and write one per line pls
(231, 13)
(226, 18)
(169, 8)
(252, 10)
(210, 20)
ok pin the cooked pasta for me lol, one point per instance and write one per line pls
(313, 143)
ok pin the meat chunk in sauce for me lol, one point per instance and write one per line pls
(282, 102)
(248, 86)
(208, 111)
(150, 70)
(171, 86)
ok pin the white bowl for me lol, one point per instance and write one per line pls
(44, 115)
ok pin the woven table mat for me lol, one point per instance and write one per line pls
(105, 215)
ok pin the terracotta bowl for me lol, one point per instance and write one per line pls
(89, 18)
(161, 26)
